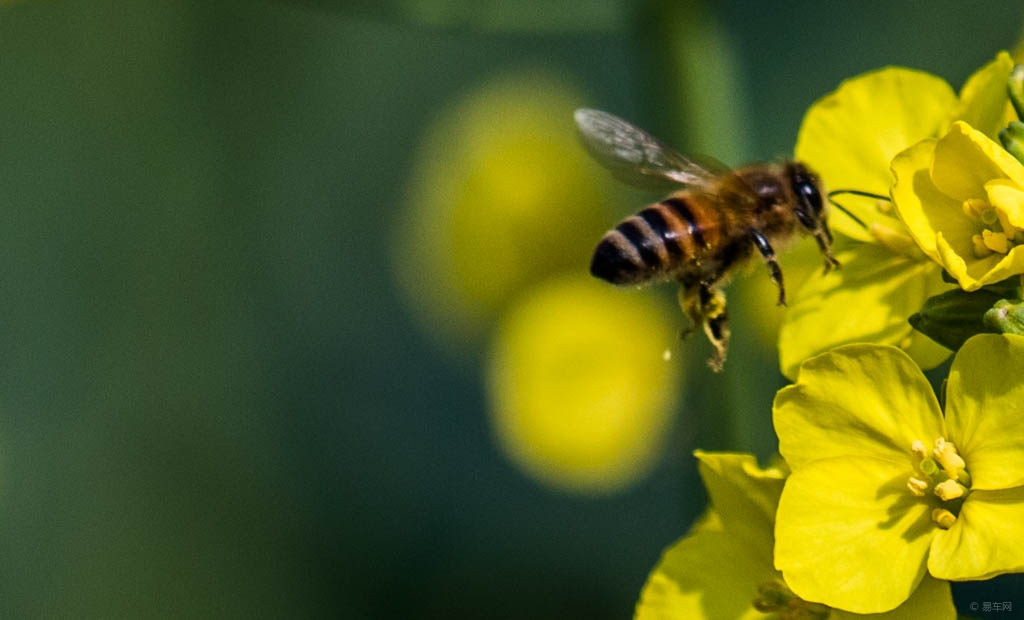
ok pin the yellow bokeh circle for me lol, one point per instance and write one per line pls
(501, 195)
(580, 386)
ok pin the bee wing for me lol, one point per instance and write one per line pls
(637, 157)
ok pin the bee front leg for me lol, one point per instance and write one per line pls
(704, 305)
(823, 236)
(768, 253)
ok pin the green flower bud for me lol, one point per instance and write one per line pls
(1015, 88)
(954, 316)
(1012, 138)
(1006, 317)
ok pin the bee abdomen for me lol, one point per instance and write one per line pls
(646, 245)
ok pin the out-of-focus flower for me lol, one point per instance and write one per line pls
(580, 389)
(962, 199)
(722, 570)
(885, 488)
(501, 196)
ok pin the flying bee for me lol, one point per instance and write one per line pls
(713, 223)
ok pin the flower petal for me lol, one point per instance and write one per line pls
(983, 101)
(965, 159)
(922, 207)
(848, 534)
(933, 600)
(744, 496)
(969, 275)
(986, 540)
(868, 300)
(692, 581)
(985, 409)
(863, 400)
(850, 136)
(1008, 198)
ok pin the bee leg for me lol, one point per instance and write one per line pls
(824, 238)
(704, 305)
(768, 253)
(690, 304)
(716, 322)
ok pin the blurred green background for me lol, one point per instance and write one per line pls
(226, 386)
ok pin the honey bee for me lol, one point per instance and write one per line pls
(713, 223)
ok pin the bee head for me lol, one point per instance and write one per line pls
(810, 205)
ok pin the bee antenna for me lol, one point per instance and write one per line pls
(857, 192)
(854, 192)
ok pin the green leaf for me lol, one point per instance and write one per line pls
(954, 316)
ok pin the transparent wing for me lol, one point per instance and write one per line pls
(637, 157)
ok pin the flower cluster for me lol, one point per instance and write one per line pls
(885, 492)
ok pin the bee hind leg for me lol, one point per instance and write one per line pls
(768, 253)
(704, 304)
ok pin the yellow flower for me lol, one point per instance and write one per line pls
(500, 197)
(885, 488)
(581, 393)
(850, 138)
(962, 198)
(722, 570)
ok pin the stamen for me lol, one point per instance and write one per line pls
(979, 247)
(917, 486)
(994, 241)
(944, 518)
(950, 489)
(988, 216)
(946, 454)
(974, 207)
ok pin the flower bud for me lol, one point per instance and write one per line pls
(1012, 138)
(1015, 88)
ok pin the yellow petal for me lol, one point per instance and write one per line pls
(849, 535)
(922, 207)
(985, 409)
(692, 581)
(850, 136)
(1008, 199)
(869, 299)
(974, 273)
(986, 540)
(966, 159)
(864, 400)
(744, 496)
(983, 102)
(933, 600)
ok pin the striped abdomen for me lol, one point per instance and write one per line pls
(658, 241)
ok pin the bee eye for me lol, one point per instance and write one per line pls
(809, 194)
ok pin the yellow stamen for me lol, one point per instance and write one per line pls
(974, 207)
(997, 242)
(980, 250)
(917, 486)
(893, 239)
(950, 489)
(944, 518)
(919, 449)
(946, 454)
(988, 216)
